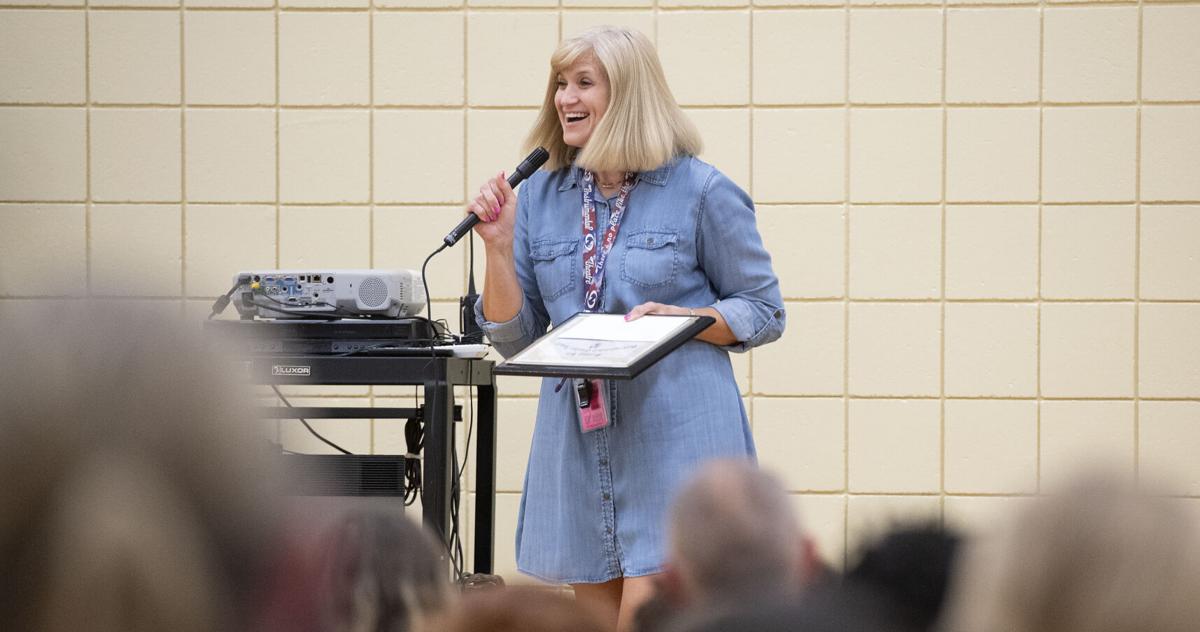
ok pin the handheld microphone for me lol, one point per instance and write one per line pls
(523, 170)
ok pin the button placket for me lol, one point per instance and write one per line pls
(608, 511)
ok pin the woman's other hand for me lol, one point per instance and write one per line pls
(717, 333)
(658, 308)
(496, 207)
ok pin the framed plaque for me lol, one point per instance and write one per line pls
(604, 346)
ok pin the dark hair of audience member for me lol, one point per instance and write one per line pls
(519, 609)
(134, 496)
(380, 573)
(1096, 558)
(909, 569)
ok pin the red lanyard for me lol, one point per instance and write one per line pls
(595, 256)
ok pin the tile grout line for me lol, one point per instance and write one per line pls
(1137, 251)
(371, 181)
(846, 182)
(183, 196)
(942, 304)
(469, 472)
(1041, 213)
(279, 220)
(750, 179)
(278, 146)
(464, 111)
(88, 251)
(816, 105)
(801, 300)
(778, 205)
(1060, 105)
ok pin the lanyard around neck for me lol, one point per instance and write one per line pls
(595, 249)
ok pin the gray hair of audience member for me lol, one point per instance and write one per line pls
(134, 496)
(381, 573)
(830, 608)
(1097, 558)
(734, 533)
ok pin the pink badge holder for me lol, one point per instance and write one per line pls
(589, 400)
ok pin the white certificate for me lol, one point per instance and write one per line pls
(604, 345)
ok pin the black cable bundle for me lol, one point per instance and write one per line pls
(414, 441)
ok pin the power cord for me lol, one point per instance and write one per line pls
(310, 428)
(456, 484)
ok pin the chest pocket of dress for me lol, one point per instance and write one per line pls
(554, 264)
(650, 258)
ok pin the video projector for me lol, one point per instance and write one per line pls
(324, 293)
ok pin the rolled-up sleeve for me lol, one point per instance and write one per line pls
(531, 322)
(736, 263)
(514, 334)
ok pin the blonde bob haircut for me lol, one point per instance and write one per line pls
(643, 126)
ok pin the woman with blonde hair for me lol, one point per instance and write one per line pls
(623, 219)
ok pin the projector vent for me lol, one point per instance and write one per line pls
(373, 292)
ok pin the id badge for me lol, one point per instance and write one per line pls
(589, 401)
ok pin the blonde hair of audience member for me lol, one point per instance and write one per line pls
(381, 573)
(519, 609)
(642, 127)
(735, 536)
(133, 497)
(1093, 559)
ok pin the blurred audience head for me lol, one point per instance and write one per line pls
(135, 497)
(826, 608)
(380, 573)
(908, 569)
(518, 609)
(1096, 558)
(734, 536)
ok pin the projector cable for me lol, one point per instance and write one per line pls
(310, 428)
(222, 301)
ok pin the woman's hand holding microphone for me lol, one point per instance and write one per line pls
(496, 207)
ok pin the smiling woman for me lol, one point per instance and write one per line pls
(580, 98)
(623, 187)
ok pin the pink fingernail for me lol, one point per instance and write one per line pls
(626, 316)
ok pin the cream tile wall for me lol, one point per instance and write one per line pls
(985, 215)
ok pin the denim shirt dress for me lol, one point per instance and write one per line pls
(594, 506)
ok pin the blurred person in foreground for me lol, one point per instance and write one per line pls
(380, 573)
(734, 540)
(828, 608)
(135, 498)
(908, 569)
(520, 609)
(898, 584)
(1096, 558)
